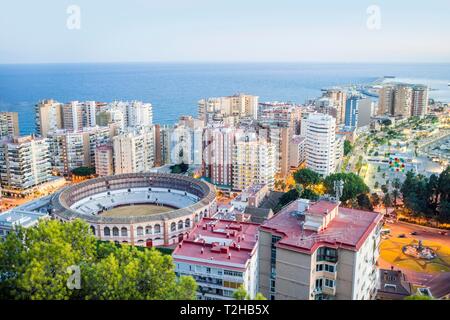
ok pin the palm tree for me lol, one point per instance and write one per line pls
(387, 201)
(395, 194)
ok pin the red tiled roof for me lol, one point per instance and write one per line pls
(215, 242)
(349, 229)
(322, 207)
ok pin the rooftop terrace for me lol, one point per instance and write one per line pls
(221, 242)
(341, 227)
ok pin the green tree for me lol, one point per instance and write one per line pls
(416, 194)
(364, 202)
(310, 195)
(418, 297)
(288, 197)
(83, 171)
(387, 201)
(240, 294)
(128, 273)
(395, 195)
(444, 185)
(348, 147)
(260, 296)
(444, 211)
(306, 177)
(353, 185)
(12, 258)
(50, 248)
(34, 264)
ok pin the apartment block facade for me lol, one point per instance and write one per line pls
(254, 162)
(24, 164)
(319, 251)
(9, 124)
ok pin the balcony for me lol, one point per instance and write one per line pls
(329, 291)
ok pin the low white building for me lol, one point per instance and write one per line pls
(222, 256)
(250, 197)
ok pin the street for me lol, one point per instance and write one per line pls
(439, 282)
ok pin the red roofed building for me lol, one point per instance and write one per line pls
(221, 255)
(317, 250)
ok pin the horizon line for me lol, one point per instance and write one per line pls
(224, 62)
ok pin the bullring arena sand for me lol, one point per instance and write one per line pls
(136, 210)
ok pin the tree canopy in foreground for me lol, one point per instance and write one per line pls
(38, 263)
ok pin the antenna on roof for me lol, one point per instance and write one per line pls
(339, 189)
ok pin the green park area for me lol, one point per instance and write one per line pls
(391, 252)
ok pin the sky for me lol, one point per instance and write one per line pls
(225, 31)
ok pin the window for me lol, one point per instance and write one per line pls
(140, 231)
(230, 284)
(319, 283)
(319, 267)
(329, 283)
(115, 232)
(106, 232)
(148, 230)
(228, 293)
(232, 273)
(180, 225)
(157, 228)
(327, 254)
(173, 226)
(124, 232)
(330, 268)
(187, 223)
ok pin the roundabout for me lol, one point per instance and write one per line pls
(419, 251)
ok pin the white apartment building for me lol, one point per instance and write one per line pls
(297, 151)
(340, 140)
(104, 160)
(402, 101)
(254, 162)
(130, 114)
(237, 106)
(280, 135)
(338, 97)
(419, 101)
(24, 164)
(320, 143)
(221, 256)
(134, 151)
(184, 143)
(72, 149)
(9, 124)
(48, 117)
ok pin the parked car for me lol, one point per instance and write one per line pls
(444, 233)
(402, 235)
(414, 233)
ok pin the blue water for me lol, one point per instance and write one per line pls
(174, 89)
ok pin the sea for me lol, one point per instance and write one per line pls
(174, 88)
